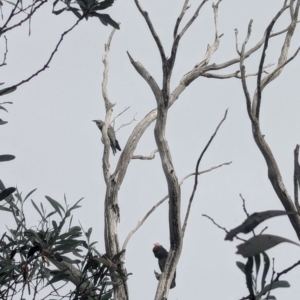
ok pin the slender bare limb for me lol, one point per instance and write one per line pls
(150, 157)
(196, 177)
(287, 270)
(244, 206)
(233, 75)
(219, 226)
(282, 59)
(140, 223)
(243, 72)
(153, 32)
(28, 17)
(51, 56)
(236, 32)
(184, 9)
(5, 53)
(296, 177)
(215, 223)
(193, 18)
(271, 76)
(126, 124)
(9, 17)
(108, 109)
(118, 115)
(273, 170)
(146, 75)
(111, 211)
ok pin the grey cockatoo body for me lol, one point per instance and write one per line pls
(111, 135)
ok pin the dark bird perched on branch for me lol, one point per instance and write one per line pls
(161, 253)
(111, 134)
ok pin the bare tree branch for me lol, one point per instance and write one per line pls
(287, 270)
(111, 206)
(153, 32)
(118, 115)
(273, 170)
(215, 223)
(196, 177)
(232, 75)
(244, 206)
(184, 9)
(28, 17)
(50, 58)
(193, 18)
(150, 157)
(5, 53)
(296, 177)
(140, 223)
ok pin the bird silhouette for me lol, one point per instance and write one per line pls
(161, 254)
(111, 135)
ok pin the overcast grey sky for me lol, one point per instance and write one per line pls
(58, 148)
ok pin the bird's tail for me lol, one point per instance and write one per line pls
(173, 284)
(118, 146)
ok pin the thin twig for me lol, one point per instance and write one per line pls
(24, 20)
(150, 157)
(244, 206)
(196, 177)
(296, 177)
(192, 19)
(236, 32)
(5, 53)
(50, 58)
(232, 75)
(260, 68)
(215, 223)
(184, 9)
(119, 114)
(140, 223)
(153, 32)
(126, 124)
(285, 271)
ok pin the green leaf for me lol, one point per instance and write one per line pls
(7, 157)
(75, 11)
(83, 4)
(248, 272)
(2, 186)
(75, 205)
(70, 261)
(1, 107)
(103, 5)
(274, 285)
(7, 90)
(6, 268)
(29, 194)
(241, 266)
(36, 207)
(7, 192)
(5, 208)
(58, 12)
(50, 214)
(62, 275)
(261, 243)
(266, 269)
(105, 19)
(88, 233)
(106, 296)
(55, 205)
(257, 263)
(54, 224)
(255, 219)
